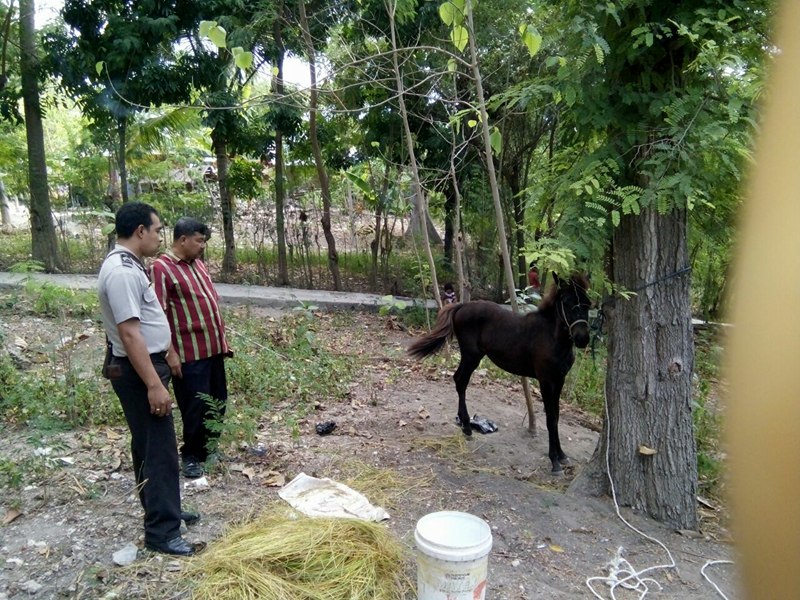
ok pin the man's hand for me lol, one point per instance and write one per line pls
(174, 362)
(160, 400)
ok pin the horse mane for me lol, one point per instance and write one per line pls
(549, 299)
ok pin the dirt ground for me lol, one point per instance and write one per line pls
(399, 416)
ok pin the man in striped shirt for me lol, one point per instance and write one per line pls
(199, 347)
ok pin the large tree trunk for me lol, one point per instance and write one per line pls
(226, 204)
(44, 246)
(649, 380)
(280, 227)
(322, 174)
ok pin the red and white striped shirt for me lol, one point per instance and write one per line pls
(191, 303)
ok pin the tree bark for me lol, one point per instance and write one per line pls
(280, 226)
(649, 381)
(226, 202)
(122, 159)
(44, 246)
(322, 174)
(5, 210)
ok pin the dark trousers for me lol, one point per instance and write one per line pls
(153, 450)
(202, 379)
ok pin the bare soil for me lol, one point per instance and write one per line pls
(399, 416)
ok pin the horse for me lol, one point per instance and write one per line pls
(536, 344)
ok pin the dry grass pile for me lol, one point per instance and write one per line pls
(281, 557)
(383, 486)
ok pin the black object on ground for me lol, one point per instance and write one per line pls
(483, 424)
(326, 427)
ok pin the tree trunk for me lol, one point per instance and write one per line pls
(226, 202)
(649, 381)
(44, 246)
(419, 197)
(487, 147)
(322, 174)
(420, 215)
(280, 226)
(122, 160)
(5, 210)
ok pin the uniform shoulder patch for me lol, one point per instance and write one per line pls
(126, 260)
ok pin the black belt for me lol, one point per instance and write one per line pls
(154, 356)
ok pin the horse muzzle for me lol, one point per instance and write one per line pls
(580, 334)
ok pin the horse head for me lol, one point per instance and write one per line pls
(572, 305)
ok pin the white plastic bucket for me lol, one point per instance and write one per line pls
(452, 556)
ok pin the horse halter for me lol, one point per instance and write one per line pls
(576, 321)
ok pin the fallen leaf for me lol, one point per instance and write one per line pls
(11, 515)
(644, 450)
(20, 343)
(401, 423)
(555, 548)
(249, 473)
(274, 479)
(237, 467)
(706, 503)
(423, 413)
(112, 435)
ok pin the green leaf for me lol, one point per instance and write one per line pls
(615, 218)
(205, 27)
(496, 140)
(472, 123)
(648, 39)
(99, 67)
(532, 40)
(447, 13)
(108, 229)
(460, 37)
(451, 66)
(243, 60)
(375, 144)
(217, 36)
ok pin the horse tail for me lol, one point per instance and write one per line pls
(436, 339)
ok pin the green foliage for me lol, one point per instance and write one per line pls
(62, 398)
(281, 364)
(244, 178)
(48, 300)
(390, 305)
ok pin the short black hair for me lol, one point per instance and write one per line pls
(132, 214)
(190, 226)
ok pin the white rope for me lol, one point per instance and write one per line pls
(708, 579)
(620, 572)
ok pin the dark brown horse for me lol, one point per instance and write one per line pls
(537, 344)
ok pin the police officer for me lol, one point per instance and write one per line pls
(139, 334)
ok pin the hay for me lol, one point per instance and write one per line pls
(385, 487)
(286, 558)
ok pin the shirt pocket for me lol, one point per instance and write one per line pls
(149, 296)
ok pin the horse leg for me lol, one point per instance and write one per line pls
(551, 393)
(462, 376)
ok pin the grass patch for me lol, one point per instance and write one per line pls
(299, 558)
(277, 363)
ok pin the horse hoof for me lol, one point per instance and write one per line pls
(557, 472)
(565, 461)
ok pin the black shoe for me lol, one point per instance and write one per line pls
(177, 546)
(192, 469)
(190, 518)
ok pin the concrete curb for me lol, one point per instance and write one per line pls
(253, 295)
